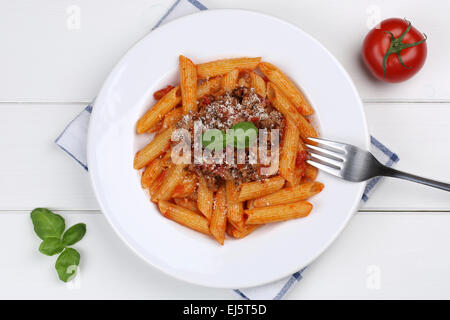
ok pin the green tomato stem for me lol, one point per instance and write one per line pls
(397, 46)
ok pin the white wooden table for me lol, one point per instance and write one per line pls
(55, 55)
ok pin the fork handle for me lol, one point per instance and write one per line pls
(389, 172)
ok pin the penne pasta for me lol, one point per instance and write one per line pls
(187, 204)
(154, 187)
(209, 87)
(276, 76)
(244, 79)
(153, 170)
(171, 118)
(303, 191)
(256, 189)
(185, 187)
(157, 112)
(232, 191)
(297, 176)
(282, 104)
(229, 230)
(188, 84)
(185, 193)
(205, 198)
(239, 234)
(184, 216)
(218, 222)
(162, 92)
(151, 151)
(310, 173)
(278, 213)
(235, 214)
(257, 82)
(174, 176)
(219, 67)
(229, 81)
(163, 206)
(300, 165)
(289, 150)
(156, 127)
(193, 196)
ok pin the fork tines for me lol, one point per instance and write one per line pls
(328, 156)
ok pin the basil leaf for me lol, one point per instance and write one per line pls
(244, 133)
(214, 139)
(67, 263)
(74, 234)
(47, 224)
(51, 246)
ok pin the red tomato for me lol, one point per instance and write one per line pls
(394, 51)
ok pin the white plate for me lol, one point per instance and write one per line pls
(272, 252)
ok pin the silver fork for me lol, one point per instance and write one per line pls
(354, 164)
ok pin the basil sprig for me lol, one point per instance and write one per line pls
(242, 135)
(49, 227)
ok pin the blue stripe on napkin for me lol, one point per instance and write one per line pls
(74, 138)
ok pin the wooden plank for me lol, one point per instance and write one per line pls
(108, 269)
(379, 255)
(342, 26)
(420, 135)
(59, 51)
(35, 172)
(383, 256)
